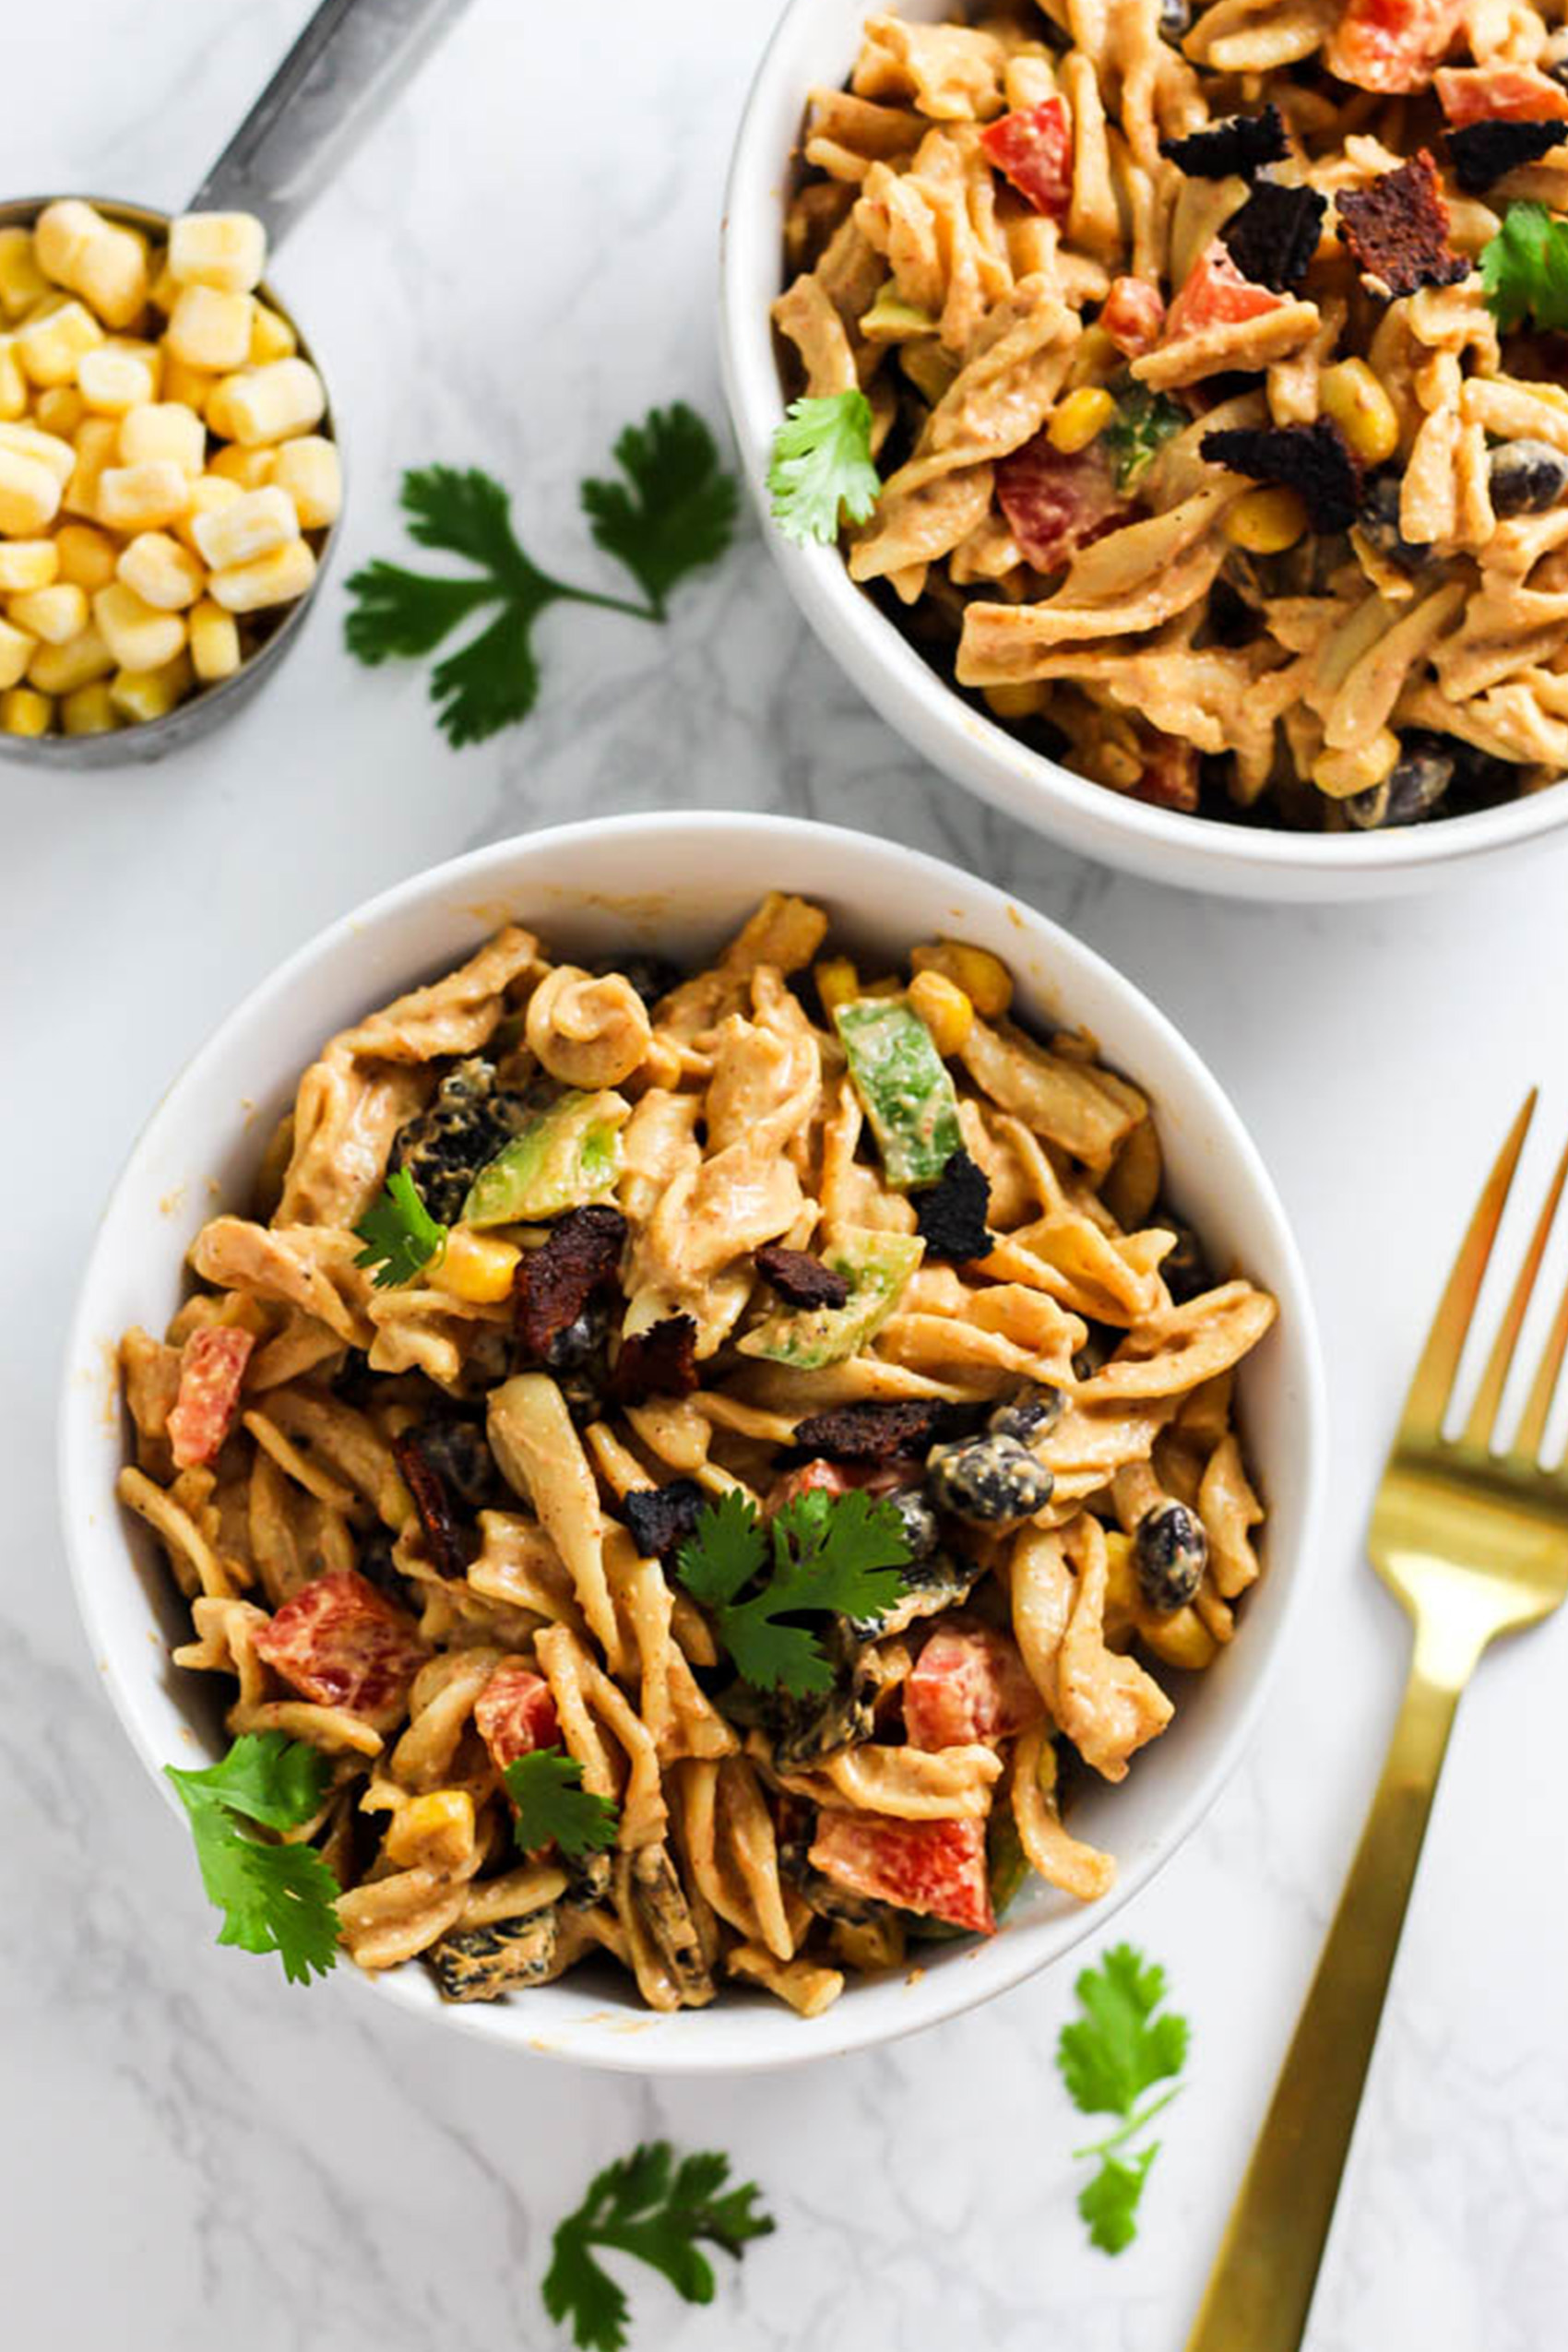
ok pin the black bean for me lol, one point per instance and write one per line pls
(991, 1481)
(921, 1530)
(1379, 518)
(1185, 1271)
(1170, 1554)
(1029, 1416)
(1175, 20)
(1526, 477)
(1411, 790)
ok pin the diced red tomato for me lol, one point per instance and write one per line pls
(1034, 150)
(837, 1478)
(515, 1713)
(1500, 94)
(340, 1642)
(212, 1365)
(1054, 505)
(1392, 44)
(968, 1683)
(935, 1867)
(1215, 294)
(1169, 778)
(1133, 316)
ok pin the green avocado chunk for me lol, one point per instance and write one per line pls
(876, 1266)
(903, 1088)
(564, 1157)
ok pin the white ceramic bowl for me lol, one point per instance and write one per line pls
(815, 45)
(681, 883)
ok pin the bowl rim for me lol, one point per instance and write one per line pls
(942, 1992)
(964, 743)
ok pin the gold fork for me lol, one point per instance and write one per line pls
(1474, 1543)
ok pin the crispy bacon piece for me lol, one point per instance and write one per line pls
(968, 1683)
(212, 1365)
(1034, 150)
(1392, 44)
(553, 1285)
(935, 1867)
(950, 1213)
(1134, 315)
(1500, 94)
(1482, 152)
(1054, 505)
(1313, 459)
(1239, 144)
(874, 1431)
(660, 1361)
(660, 1517)
(1273, 237)
(443, 1537)
(800, 1279)
(1169, 779)
(515, 1713)
(337, 1640)
(1215, 294)
(1396, 230)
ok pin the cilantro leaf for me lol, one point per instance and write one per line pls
(645, 2204)
(546, 1787)
(674, 513)
(1111, 2056)
(274, 1898)
(822, 465)
(399, 1234)
(830, 1556)
(676, 510)
(1109, 2200)
(1525, 269)
(1144, 422)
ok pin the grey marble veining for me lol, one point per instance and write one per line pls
(192, 2154)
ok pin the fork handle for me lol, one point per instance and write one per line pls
(1261, 2286)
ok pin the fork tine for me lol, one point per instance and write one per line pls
(1428, 1398)
(1543, 1388)
(1488, 1396)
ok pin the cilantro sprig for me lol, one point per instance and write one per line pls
(1144, 422)
(671, 514)
(1525, 269)
(822, 464)
(546, 1787)
(1118, 2050)
(822, 1555)
(274, 1898)
(647, 2205)
(399, 1234)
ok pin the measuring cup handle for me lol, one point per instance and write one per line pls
(348, 63)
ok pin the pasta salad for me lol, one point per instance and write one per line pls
(1208, 352)
(702, 1462)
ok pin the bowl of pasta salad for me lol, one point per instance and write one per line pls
(694, 1475)
(1162, 413)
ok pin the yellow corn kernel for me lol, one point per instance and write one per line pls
(253, 525)
(163, 572)
(90, 710)
(84, 555)
(93, 257)
(226, 250)
(1351, 395)
(56, 613)
(192, 387)
(215, 642)
(1180, 1639)
(60, 236)
(269, 404)
(96, 441)
(1023, 699)
(311, 473)
(45, 448)
(208, 328)
(435, 1832)
(163, 428)
(61, 669)
(143, 497)
(22, 282)
(984, 977)
(475, 1266)
(252, 468)
(13, 383)
(59, 410)
(1093, 354)
(272, 338)
(941, 1005)
(207, 495)
(838, 982)
(27, 563)
(137, 635)
(22, 712)
(112, 379)
(277, 577)
(138, 695)
(30, 495)
(164, 292)
(1081, 418)
(1266, 521)
(50, 343)
(15, 652)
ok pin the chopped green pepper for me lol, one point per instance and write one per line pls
(567, 1155)
(903, 1088)
(876, 1266)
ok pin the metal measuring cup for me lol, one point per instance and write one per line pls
(347, 66)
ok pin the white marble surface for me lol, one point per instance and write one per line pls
(193, 2153)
